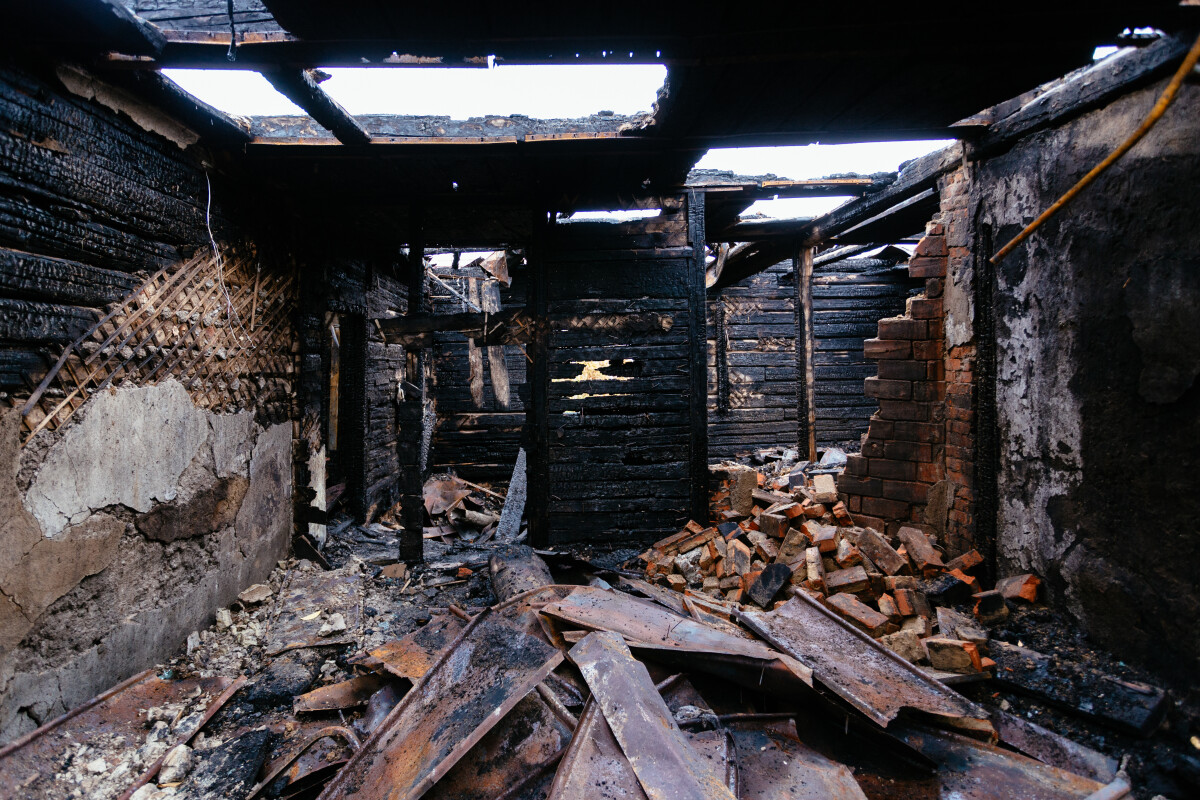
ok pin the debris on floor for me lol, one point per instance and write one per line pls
(511, 683)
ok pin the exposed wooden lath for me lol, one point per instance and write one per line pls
(223, 330)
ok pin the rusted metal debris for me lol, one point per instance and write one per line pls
(774, 763)
(357, 691)
(598, 609)
(871, 678)
(973, 770)
(665, 764)
(484, 707)
(492, 665)
(316, 609)
(120, 711)
(412, 656)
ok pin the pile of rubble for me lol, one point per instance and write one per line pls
(614, 687)
(773, 546)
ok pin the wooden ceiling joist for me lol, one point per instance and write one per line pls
(299, 86)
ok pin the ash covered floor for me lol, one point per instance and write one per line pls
(583, 674)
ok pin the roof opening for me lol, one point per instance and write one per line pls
(234, 91)
(819, 160)
(539, 91)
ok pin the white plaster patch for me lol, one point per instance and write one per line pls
(316, 482)
(232, 440)
(147, 117)
(129, 448)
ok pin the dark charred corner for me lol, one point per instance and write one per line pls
(402, 456)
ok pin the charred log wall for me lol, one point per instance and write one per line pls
(849, 299)
(752, 370)
(1097, 404)
(619, 427)
(480, 444)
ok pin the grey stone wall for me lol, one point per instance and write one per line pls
(1097, 320)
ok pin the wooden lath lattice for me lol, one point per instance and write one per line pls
(221, 328)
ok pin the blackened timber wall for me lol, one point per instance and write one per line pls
(756, 319)
(849, 299)
(479, 444)
(618, 429)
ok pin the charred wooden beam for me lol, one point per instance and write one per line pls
(212, 124)
(756, 231)
(510, 326)
(698, 362)
(901, 220)
(301, 87)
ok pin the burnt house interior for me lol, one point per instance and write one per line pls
(399, 456)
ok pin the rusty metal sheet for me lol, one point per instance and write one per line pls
(638, 620)
(1050, 748)
(595, 767)
(29, 764)
(858, 669)
(971, 770)
(307, 602)
(665, 763)
(412, 656)
(493, 664)
(529, 738)
(774, 763)
(348, 694)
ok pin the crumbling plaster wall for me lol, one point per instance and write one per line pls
(1098, 345)
(123, 533)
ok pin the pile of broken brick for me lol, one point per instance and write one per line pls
(773, 546)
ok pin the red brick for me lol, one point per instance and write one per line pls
(931, 245)
(917, 432)
(935, 370)
(864, 521)
(908, 491)
(892, 390)
(887, 348)
(929, 473)
(935, 229)
(893, 470)
(903, 370)
(927, 350)
(856, 465)
(926, 267)
(926, 391)
(923, 308)
(855, 503)
(859, 614)
(907, 451)
(934, 286)
(880, 428)
(904, 410)
(902, 328)
(887, 509)
(873, 448)
(851, 485)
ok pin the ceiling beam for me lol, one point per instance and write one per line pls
(299, 86)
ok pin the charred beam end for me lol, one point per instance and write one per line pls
(155, 88)
(299, 86)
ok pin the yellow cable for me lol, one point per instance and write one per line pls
(1160, 108)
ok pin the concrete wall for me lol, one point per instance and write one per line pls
(124, 532)
(1097, 321)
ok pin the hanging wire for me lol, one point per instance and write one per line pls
(231, 55)
(230, 312)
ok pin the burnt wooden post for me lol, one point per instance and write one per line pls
(410, 415)
(698, 361)
(537, 421)
(802, 261)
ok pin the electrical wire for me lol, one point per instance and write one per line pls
(1160, 108)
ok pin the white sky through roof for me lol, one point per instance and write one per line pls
(543, 92)
(546, 92)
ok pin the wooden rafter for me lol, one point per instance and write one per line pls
(301, 87)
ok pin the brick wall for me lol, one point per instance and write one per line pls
(916, 463)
